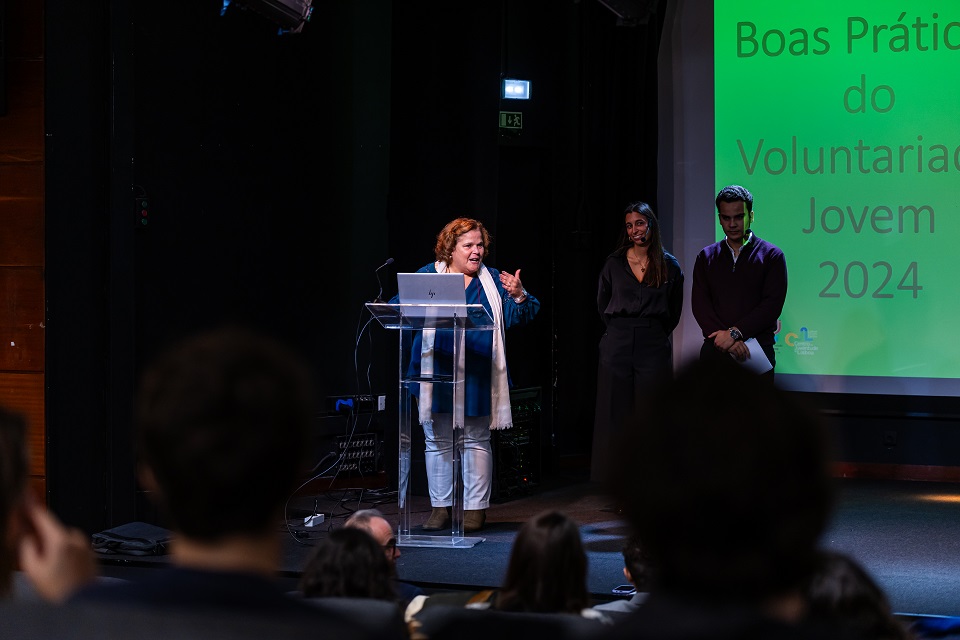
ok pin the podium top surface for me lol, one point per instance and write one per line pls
(432, 316)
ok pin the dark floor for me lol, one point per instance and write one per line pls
(904, 532)
(482, 565)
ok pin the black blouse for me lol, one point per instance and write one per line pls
(620, 294)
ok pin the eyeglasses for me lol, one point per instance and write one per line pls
(391, 545)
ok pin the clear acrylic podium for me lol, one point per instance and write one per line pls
(410, 320)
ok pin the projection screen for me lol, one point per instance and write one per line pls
(843, 120)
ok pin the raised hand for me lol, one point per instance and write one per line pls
(511, 282)
(56, 559)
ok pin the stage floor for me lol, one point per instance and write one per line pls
(904, 532)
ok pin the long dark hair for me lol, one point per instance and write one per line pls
(657, 268)
(843, 591)
(547, 572)
(348, 563)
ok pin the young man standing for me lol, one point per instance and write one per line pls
(739, 284)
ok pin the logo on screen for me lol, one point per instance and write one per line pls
(802, 341)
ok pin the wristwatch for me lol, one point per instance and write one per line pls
(520, 298)
(736, 335)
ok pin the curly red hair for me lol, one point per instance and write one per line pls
(451, 232)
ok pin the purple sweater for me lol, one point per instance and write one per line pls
(748, 295)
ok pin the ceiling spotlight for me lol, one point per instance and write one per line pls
(291, 15)
(630, 13)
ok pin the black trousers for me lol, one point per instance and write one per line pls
(635, 354)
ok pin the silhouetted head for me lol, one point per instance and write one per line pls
(348, 563)
(841, 591)
(727, 481)
(222, 424)
(547, 571)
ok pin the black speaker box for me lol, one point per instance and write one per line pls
(516, 451)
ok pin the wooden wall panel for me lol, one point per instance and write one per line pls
(38, 486)
(23, 393)
(21, 130)
(25, 28)
(20, 180)
(22, 292)
(21, 214)
(21, 319)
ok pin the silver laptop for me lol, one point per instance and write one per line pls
(438, 300)
(431, 288)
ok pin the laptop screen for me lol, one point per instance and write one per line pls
(431, 288)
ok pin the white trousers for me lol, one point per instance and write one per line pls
(477, 461)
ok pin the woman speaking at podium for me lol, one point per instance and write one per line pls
(460, 248)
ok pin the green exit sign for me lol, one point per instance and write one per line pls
(511, 120)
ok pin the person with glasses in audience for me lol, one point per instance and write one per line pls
(374, 522)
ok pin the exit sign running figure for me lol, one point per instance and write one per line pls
(511, 120)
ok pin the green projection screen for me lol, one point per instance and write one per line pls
(843, 120)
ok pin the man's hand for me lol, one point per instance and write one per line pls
(723, 341)
(56, 559)
(740, 351)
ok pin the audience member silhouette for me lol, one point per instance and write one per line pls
(547, 570)
(546, 573)
(374, 522)
(348, 563)
(52, 558)
(727, 481)
(841, 590)
(636, 569)
(222, 421)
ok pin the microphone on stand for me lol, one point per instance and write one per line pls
(376, 272)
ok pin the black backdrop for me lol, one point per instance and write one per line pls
(281, 170)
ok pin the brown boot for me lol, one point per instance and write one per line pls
(473, 520)
(439, 519)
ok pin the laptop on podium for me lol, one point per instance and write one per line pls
(431, 288)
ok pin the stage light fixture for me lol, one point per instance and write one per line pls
(515, 89)
(631, 13)
(291, 15)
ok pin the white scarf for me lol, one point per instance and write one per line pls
(500, 414)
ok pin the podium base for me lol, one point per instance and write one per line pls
(440, 542)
